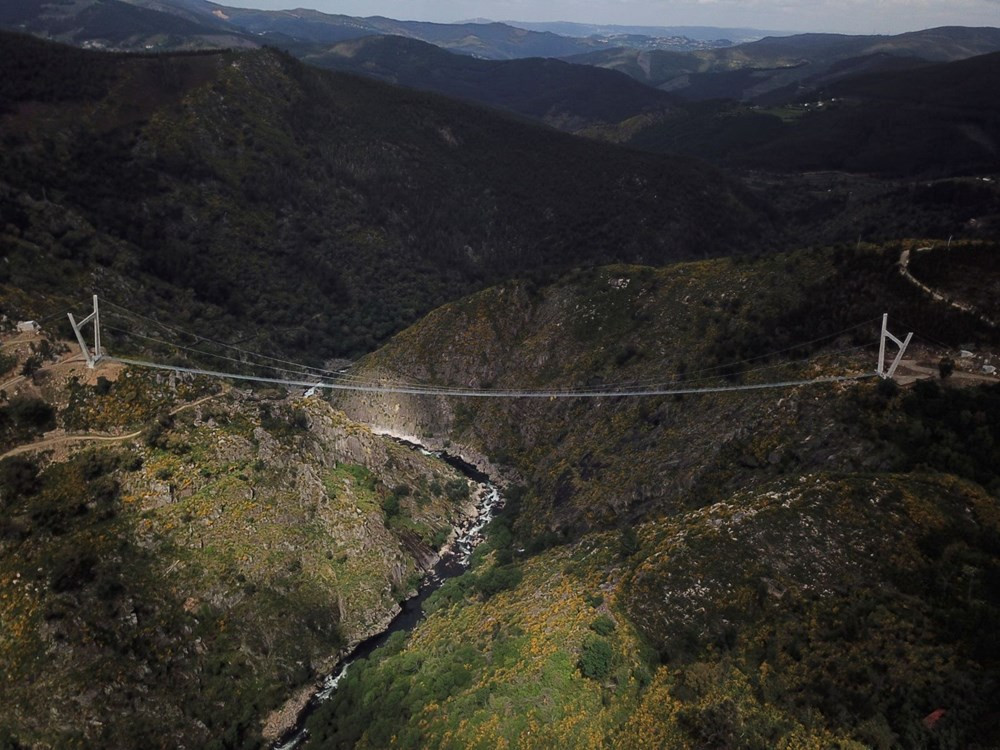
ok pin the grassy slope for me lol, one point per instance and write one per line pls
(177, 589)
(811, 567)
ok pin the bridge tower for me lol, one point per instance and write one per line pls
(92, 358)
(881, 371)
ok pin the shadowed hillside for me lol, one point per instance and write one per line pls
(247, 187)
(566, 96)
(929, 121)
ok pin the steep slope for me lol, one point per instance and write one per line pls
(565, 96)
(174, 586)
(595, 463)
(809, 567)
(336, 208)
(822, 611)
(938, 119)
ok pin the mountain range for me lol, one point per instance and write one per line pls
(721, 529)
(785, 67)
(199, 24)
(921, 120)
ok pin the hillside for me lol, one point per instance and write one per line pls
(568, 97)
(178, 559)
(318, 213)
(716, 528)
(751, 569)
(684, 325)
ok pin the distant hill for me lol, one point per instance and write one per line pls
(194, 24)
(560, 94)
(120, 25)
(918, 120)
(710, 34)
(790, 65)
(244, 187)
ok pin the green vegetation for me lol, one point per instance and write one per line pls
(953, 431)
(595, 658)
(568, 97)
(712, 323)
(818, 567)
(603, 625)
(459, 680)
(23, 418)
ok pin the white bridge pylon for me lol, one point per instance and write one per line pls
(95, 317)
(881, 371)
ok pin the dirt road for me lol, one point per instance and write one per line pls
(71, 439)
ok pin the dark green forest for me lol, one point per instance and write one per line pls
(254, 193)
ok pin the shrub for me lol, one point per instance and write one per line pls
(390, 505)
(595, 658)
(457, 490)
(946, 367)
(31, 414)
(498, 579)
(603, 625)
(628, 542)
(18, 478)
(103, 387)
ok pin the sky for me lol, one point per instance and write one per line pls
(846, 16)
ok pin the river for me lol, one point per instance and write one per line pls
(454, 562)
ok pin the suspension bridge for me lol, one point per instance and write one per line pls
(292, 374)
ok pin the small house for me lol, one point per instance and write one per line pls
(28, 326)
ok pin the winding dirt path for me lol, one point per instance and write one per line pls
(71, 439)
(904, 269)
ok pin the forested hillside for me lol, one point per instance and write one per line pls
(246, 188)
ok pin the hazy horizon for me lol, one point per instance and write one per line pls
(842, 16)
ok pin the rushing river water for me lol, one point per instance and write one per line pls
(451, 564)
